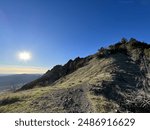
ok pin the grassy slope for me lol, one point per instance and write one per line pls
(33, 100)
(81, 91)
(20, 101)
(72, 93)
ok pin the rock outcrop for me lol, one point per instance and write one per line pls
(115, 79)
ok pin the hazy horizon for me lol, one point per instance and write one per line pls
(20, 74)
(22, 70)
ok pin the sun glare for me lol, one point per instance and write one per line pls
(25, 56)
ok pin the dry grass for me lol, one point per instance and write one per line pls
(96, 71)
(20, 101)
(100, 104)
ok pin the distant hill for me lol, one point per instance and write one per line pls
(9, 82)
(114, 79)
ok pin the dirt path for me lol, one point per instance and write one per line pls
(72, 100)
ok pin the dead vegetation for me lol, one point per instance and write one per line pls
(116, 79)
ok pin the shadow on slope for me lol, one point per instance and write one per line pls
(126, 75)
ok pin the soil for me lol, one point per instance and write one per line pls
(72, 100)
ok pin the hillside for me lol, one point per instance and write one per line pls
(11, 82)
(115, 79)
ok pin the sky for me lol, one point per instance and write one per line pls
(54, 31)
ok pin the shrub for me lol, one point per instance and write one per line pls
(101, 52)
(9, 100)
(124, 40)
(147, 52)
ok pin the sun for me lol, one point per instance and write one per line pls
(25, 56)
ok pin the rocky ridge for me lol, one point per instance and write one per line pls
(115, 79)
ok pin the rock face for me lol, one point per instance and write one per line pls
(115, 79)
(57, 72)
(134, 54)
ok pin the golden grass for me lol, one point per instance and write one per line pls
(93, 73)
(23, 99)
(100, 104)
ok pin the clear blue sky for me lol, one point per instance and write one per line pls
(55, 31)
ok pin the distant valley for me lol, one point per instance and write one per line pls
(12, 82)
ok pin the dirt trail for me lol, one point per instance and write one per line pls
(72, 100)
